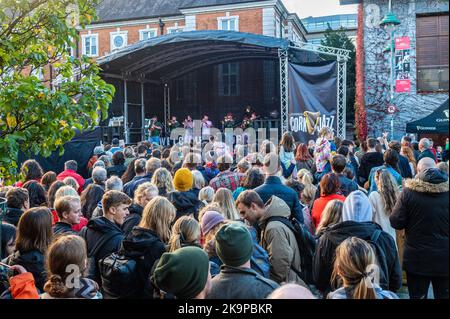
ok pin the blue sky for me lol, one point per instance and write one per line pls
(315, 8)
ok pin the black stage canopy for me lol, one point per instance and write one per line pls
(435, 123)
(163, 58)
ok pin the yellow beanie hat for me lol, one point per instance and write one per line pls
(183, 180)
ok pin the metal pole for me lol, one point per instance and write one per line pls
(125, 111)
(284, 90)
(392, 78)
(142, 113)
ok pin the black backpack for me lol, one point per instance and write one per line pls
(92, 261)
(306, 244)
(120, 276)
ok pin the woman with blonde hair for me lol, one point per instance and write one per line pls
(409, 154)
(163, 180)
(306, 178)
(354, 268)
(142, 196)
(206, 195)
(332, 215)
(224, 199)
(147, 241)
(199, 182)
(185, 232)
(65, 253)
(383, 200)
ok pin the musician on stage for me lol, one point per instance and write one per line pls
(188, 125)
(155, 129)
(228, 121)
(206, 127)
(173, 123)
(248, 111)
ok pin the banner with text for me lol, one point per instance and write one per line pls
(312, 99)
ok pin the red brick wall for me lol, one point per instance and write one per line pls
(250, 20)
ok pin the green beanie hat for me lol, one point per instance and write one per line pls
(234, 244)
(183, 272)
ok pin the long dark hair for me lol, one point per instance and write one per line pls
(34, 231)
(129, 173)
(36, 193)
(90, 198)
(32, 170)
(52, 192)
(391, 158)
(253, 178)
(8, 233)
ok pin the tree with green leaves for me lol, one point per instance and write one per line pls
(340, 39)
(36, 116)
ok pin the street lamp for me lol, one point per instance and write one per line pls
(389, 23)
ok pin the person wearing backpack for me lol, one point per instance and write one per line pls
(126, 274)
(357, 222)
(277, 238)
(237, 280)
(103, 234)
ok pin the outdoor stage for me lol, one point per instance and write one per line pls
(217, 72)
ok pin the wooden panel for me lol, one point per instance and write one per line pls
(443, 25)
(427, 51)
(443, 50)
(427, 26)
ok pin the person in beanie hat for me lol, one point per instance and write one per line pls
(184, 273)
(184, 198)
(234, 246)
(209, 220)
(183, 180)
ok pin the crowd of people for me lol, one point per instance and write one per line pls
(332, 219)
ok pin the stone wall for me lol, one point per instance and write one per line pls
(412, 106)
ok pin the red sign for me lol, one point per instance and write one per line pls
(403, 86)
(403, 43)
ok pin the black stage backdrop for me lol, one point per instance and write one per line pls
(80, 149)
(312, 98)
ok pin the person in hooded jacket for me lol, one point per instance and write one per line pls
(422, 210)
(183, 198)
(147, 241)
(357, 222)
(103, 234)
(34, 235)
(142, 196)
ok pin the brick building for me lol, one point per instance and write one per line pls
(122, 23)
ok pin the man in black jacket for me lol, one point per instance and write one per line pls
(103, 235)
(423, 211)
(370, 159)
(357, 222)
(403, 163)
(68, 209)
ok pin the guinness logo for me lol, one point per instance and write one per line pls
(312, 120)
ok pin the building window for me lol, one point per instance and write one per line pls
(229, 79)
(228, 23)
(174, 30)
(90, 45)
(147, 34)
(277, 28)
(432, 53)
(118, 40)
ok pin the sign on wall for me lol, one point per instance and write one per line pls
(403, 65)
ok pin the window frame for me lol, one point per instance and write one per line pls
(225, 78)
(83, 44)
(111, 40)
(142, 31)
(228, 18)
